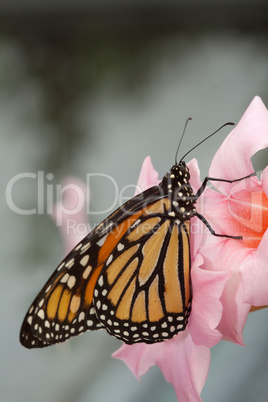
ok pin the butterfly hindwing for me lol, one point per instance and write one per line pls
(143, 293)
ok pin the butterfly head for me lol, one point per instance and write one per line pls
(177, 176)
(177, 179)
(182, 170)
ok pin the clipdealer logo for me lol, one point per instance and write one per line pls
(48, 194)
(241, 203)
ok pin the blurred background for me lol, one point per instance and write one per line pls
(95, 87)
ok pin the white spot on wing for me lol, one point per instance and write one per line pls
(84, 260)
(40, 304)
(92, 310)
(30, 319)
(71, 281)
(85, 247)
(136, 223)
(109, 259)
(65, 278)
(48, 288)
(81, 316)
(41, 314)
(70, 263)
(60, 266)
(120, 246)
(87, 272)
(102, 240)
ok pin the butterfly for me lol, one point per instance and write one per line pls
(130, 275)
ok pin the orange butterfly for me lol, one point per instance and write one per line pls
(131, 275)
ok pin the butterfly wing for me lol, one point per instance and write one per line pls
(143, 293)
(65, 306)
(131, 275)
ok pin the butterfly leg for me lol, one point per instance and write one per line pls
(212, 231)
(201, 217)
(204, 184)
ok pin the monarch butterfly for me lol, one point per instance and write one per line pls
(131, 275)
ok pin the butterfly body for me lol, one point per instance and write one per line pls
(131, 275)
(176, 186)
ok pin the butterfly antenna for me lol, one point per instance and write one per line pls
(201, 142)
(189, 118)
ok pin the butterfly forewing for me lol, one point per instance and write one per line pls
(64, 307)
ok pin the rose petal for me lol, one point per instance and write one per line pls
(232, 160)
(237, 215)
(138, 357)
(194, 174)
(264, 180)
(228, 256)
(207, 308)
(70, 213)
(235, 312)
(183, 364)
(254, 275)
(148, 176)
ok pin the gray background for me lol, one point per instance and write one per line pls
(95, 88)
